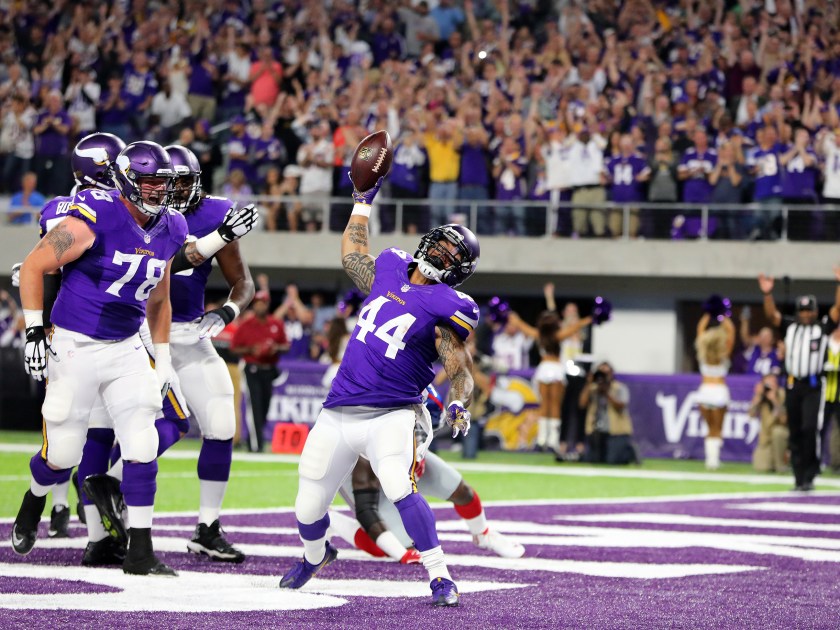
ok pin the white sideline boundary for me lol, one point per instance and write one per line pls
(559, 471)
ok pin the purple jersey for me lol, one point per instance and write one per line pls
(388, 360)
(623, 172)
(800, 181)
(697, 188)
(187, 290)
(103, 293)
(54, 212)
(764, 364)
(768, 178)
(138, 85)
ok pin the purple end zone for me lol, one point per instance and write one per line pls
(782, 590)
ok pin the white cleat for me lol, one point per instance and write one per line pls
(499, 544)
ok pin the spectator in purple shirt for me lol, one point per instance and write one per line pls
(474, 176)
(52, 144)
(240, 147)
(760, 351)
(269, 152)
(407, 181)
(763, 162)
(113, 109)
(627, 173)
(387, 42)
(694, 168)
(140, 87)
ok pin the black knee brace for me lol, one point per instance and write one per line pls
(367, 512)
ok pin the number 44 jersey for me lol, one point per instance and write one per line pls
(103, 293)
(388, 360)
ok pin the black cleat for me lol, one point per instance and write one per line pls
(103, 552)
(105, 493)
(80, 507)
(150, 565)
(25, 530)
(210, 541)
(59, 522)
(140, 559)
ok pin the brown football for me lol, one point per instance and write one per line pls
(371, 160)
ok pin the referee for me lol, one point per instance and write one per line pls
(806, 340)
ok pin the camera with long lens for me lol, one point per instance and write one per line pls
(600, 377)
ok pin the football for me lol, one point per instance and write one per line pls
(371, 160)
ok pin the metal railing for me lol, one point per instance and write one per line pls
(752, 221)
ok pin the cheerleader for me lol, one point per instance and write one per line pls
(714, 349)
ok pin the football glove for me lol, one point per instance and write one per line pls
(367, 196)
(213, 322)
(16, 274)
(238, 223)
(458, 418)
(35, 353)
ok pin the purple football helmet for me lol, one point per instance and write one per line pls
(437, 263)
(144, 175)
(93, 160)
(187, 178)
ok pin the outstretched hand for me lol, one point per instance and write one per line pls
(765, 283)
(458, 418)
(367, 196)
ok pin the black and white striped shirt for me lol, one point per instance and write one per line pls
(805, 346)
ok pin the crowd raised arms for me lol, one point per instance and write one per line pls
(485, 103)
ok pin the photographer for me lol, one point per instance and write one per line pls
(768, 405)
(608, 425)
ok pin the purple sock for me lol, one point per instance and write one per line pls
(44, 475)
(168, 433)
(138, 484)
(95, 456)
(214, 460)
(316, 530)
(116, 453)
(419, 521)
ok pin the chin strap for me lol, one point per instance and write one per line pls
(432, 273)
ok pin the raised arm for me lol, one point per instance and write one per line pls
(729, 327)
(548, 292)
(765, 283)
(834, 313)
(522, 326)
(703, 324)
(355, 250)
(567, 331)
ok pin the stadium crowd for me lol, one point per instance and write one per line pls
(635, 101)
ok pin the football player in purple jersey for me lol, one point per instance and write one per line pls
(114, 249)
(91, 162)
(412, 316)
(203, 376)
(380, 520)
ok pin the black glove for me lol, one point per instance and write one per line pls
(237, 224)
(35, 353)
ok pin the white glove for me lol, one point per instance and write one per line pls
(458, 418)
(238, 223)
(163, 368)
(16, 274)
(213, 322)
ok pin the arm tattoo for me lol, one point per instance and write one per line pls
(458, 365)
(60, 239)
(192, 255)
(361, 268)
(358, 234)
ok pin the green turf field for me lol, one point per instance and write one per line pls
(270, 481)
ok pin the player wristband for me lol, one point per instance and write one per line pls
(208, 245)
(362, 209)
(232, 306)
(33, 317)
